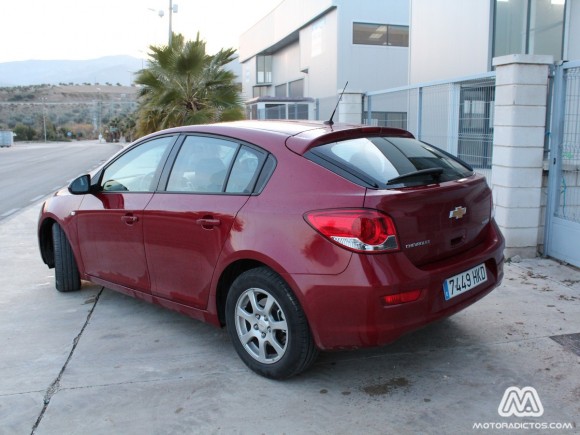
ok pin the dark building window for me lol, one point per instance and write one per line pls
(281, 90)
(296, 89)
(260, 91)
(263, 69)
(380, 34)
(529, 27)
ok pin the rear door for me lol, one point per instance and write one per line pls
(187, 225)
(437, 221)
(439, 206)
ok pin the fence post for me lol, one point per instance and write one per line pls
(369, 109)
(350, 108)
(518, 149)
(419, 112)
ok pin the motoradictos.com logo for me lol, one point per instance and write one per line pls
(521, 402)
(523, 426)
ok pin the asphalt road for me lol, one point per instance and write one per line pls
(32, 171)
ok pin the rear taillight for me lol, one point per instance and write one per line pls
(360, 230)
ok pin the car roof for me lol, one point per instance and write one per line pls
(298, 136)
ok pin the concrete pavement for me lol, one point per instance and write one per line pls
(98, 362)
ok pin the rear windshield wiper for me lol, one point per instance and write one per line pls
(433, 172)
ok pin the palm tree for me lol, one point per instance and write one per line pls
(183, 85)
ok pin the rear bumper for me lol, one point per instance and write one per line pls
(347, 310)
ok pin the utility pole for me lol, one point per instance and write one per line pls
(100, 107)
(44, 116)
(172, 10)
(170, 19)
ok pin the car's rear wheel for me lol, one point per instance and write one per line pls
(66, 272)
(267, 325)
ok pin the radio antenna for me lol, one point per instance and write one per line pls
(330, 121)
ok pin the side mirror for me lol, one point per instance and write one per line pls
(80, 185)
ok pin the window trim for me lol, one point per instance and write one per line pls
(256, 187)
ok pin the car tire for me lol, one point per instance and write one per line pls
(66, 272)
(267, 326)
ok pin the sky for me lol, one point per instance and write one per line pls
(89, 29)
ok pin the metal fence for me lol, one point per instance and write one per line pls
(562, 232)
(456, 116)
(569, 201)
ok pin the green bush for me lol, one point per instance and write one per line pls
(24, 132)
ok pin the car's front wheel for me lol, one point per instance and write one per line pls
(267, 325)
(66, 272)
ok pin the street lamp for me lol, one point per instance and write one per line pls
(172, 10)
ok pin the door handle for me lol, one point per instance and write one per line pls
(129, 219)
(208, 222)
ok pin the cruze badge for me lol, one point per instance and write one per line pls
(457, 213)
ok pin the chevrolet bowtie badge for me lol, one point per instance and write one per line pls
(457, 213)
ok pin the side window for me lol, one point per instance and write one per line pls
(245, 171)
(202, 165)
(136, 170)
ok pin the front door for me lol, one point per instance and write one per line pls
(110, 222)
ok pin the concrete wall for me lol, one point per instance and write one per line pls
(449, 38)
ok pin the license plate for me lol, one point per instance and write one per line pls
(464, 282)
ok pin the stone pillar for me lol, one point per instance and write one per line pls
(350, 108)
(521, 96)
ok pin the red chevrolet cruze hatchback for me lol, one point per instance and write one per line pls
(297, 236)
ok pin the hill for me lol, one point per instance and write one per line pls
(110, 69)
(84, 110)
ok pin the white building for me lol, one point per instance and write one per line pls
(474, 77)
(296, 58)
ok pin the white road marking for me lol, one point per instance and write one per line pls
(36, 198)
(9, 212)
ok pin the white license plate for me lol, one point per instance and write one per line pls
(464, 282)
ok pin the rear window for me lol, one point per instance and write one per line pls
(390, 162)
